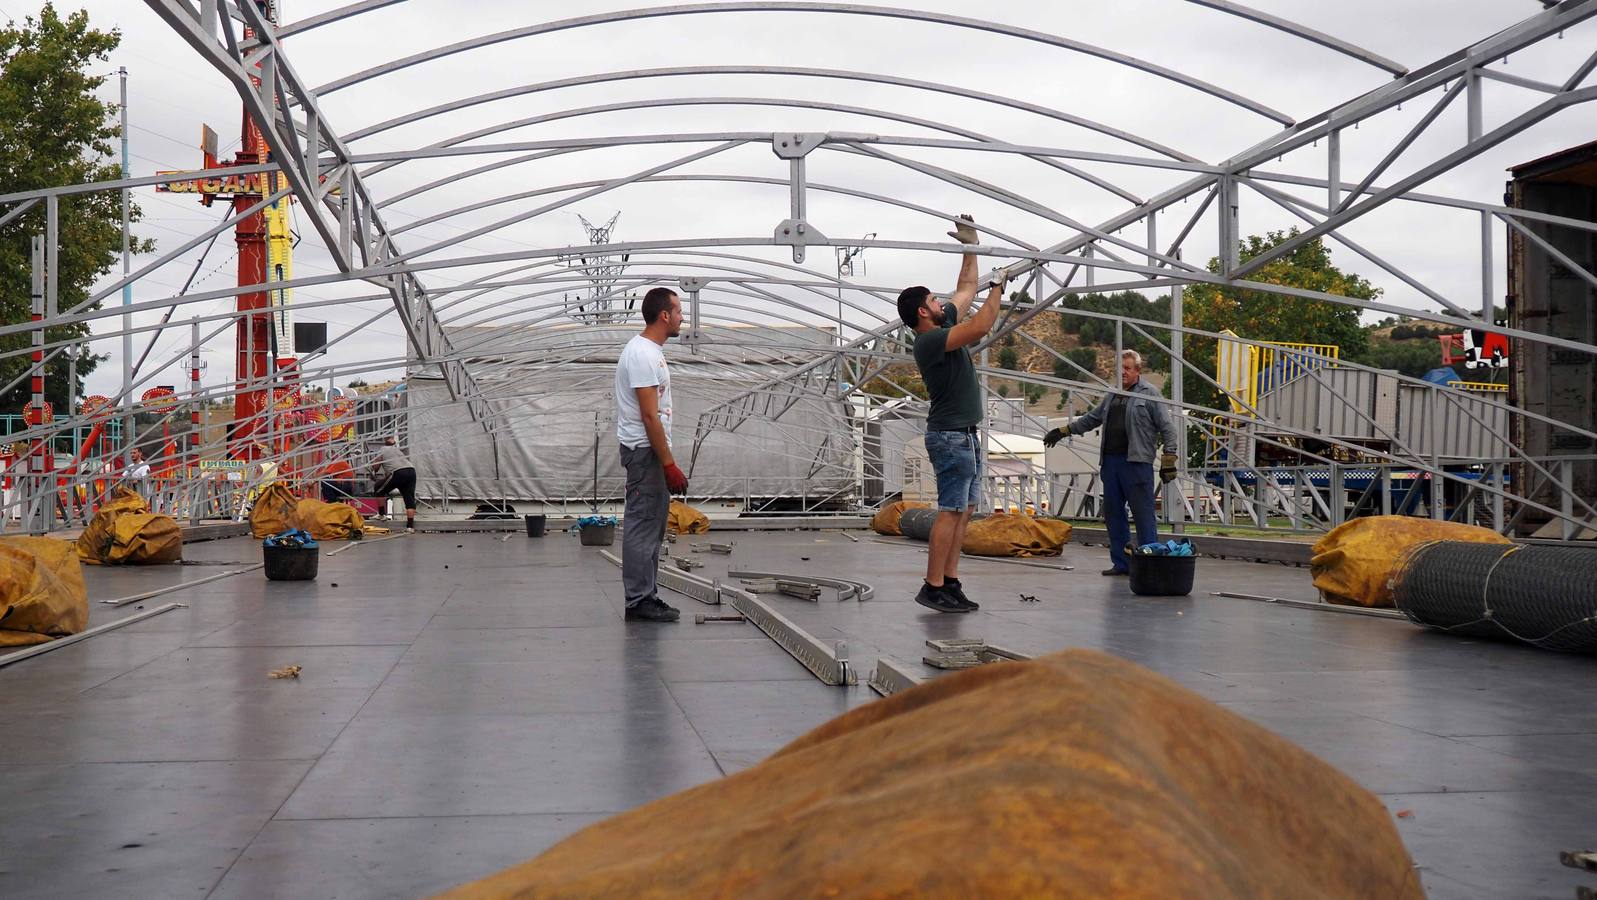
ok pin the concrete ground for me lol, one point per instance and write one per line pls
(466, 701)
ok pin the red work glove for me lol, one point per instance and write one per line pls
(675, 480)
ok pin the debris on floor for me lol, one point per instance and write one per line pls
(966, 653)
(285, 672)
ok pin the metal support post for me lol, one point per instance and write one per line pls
(1472, 100)
(127, 289)
(1487, 306)
(37, 509)
(1333, 170)
(1177, 391)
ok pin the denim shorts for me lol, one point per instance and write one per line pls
(957, 461)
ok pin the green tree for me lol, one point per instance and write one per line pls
(53, 131)
(1266, 316)
(1008, 358)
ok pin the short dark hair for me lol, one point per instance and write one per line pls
(909, 303)
(656, 301)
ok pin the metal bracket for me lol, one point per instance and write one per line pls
(845, 589)
(798, 234)
(791, 145)
(891, 676)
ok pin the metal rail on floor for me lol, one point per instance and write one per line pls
(829, 664)
(58, 643)
(891, 676)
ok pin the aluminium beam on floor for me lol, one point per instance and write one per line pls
(830, 664)
(688, 585)
(133, 598)
(1311, 604)
(891, 676)
(58, 643)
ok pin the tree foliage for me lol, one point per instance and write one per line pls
(54, 131)
(1265, 316)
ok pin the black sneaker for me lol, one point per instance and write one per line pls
(652, 609)
(938, 599)
(1113, 572)
(953, 588)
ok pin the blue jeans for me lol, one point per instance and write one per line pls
(957, 461)
(1127, 482)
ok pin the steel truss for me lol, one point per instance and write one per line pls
(737, 279)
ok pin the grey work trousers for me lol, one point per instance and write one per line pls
(643, 528)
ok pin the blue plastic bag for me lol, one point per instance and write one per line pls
(1171, 547)
(585, 521)
(291, 538)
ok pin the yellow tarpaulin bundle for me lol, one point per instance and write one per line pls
(273, 512)
(1354, 563)
(684, 519)
(41, 590)
(327, 521)
(886, 519)
(125, 532)
(1076, 775)
(1007, 534)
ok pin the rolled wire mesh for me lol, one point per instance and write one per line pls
(1545, 596)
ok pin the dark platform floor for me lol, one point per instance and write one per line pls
(453, 721)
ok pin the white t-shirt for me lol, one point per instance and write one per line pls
(642, 364)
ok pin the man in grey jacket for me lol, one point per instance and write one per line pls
(1132, 424)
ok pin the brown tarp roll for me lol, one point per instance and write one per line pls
(1076, 775)
(1007, 534)
(684, 519)
(273, 512)
(327, 521)
(41, 590)
(1354, 563)
(125, 532)
(886, 519)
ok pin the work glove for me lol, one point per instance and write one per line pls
(675, 480)
(965, 230)
(1054, 436)
(1167, 468)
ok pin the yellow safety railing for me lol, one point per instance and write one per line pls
(1247, 371)
(1484, 387)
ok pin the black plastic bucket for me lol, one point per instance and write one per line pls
(535, 525)
(291, 563)
(597, 535)
(1162, 576)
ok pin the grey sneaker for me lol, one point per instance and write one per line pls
(652, 610)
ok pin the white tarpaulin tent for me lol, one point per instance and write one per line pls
(552, 391)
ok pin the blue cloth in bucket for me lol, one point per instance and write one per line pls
(1171, 547)
(291, 538)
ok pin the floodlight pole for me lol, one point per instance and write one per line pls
(127, 289)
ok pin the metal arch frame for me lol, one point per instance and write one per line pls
(1236, 9)
(300, 163)
(792, 71)
(1222, 181)
(839, 8)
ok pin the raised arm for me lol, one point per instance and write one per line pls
(965, 289)
(969, 331)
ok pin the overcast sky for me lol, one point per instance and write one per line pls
(171, 92)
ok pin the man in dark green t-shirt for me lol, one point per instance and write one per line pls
(942, 353)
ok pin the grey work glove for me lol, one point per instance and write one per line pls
(965, 230)
(1167, 468)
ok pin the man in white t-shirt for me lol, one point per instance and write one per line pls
(643, 427)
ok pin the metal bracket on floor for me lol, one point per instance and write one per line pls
(967, 653)
(845, 589)
(58, 643)
(830, 664)
(891, 676)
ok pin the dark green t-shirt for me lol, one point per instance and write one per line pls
(950, 379)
